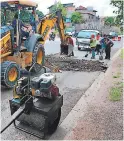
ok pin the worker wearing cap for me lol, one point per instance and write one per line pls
(93, 46)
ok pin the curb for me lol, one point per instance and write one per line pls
(79, 109)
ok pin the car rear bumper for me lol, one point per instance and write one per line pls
(84, 47)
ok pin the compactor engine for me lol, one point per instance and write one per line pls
(43, 86)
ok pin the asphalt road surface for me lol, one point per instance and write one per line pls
(52, 47)
(72, 86)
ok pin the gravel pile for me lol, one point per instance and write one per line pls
(69, 64)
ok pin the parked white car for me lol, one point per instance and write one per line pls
(69, 31)
(83, 39)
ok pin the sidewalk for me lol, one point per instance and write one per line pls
(95, 116)
(103, 119)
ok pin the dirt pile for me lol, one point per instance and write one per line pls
(69, 64)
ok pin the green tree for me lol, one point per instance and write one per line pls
(109, 21)
(25, 15)
(119, 11)
(9, 16)
(39, 13)
(59, 6)
(76, 18)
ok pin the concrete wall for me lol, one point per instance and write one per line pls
(86, 11)
(90, 25)
(90, 18)
(97, 26)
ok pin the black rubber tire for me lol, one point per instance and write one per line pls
(52, 127)
(5, 67)
(34, 58)
(79, 49)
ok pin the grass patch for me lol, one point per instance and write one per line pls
(122, 53)
(115, 94)
(120, 84)
(119, 65)
(117, 75)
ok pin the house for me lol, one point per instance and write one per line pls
(91, 20)
(70, 9)
(88, 14)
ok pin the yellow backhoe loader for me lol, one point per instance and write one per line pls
(20, 52)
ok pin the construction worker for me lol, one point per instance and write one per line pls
(33, 22)
(109, 44)
(103, 44)
(98, 36)
(98, 46)
(23, 33)
(70, 46)
(93, 46)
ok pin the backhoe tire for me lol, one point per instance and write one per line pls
(38, 57)
(10, 73)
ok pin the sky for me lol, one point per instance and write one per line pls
(102, 6)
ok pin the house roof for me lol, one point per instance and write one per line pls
(94, 11)
(83, 8)
(65, 5)
(88, 13)
(68, 4)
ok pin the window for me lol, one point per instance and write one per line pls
(86, 34)
(68, 20)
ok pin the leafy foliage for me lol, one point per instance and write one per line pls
(119, 12)
(39, 13)
(24, 15)
(76, 18)
(109, 21)
(59, 6)
(9, 16)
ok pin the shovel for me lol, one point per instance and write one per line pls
(87, 53)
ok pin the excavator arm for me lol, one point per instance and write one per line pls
(48, 22)
(44, 27)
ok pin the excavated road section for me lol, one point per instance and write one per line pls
(71, 64)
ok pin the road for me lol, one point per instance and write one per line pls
(52, 47)
(72, 86)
